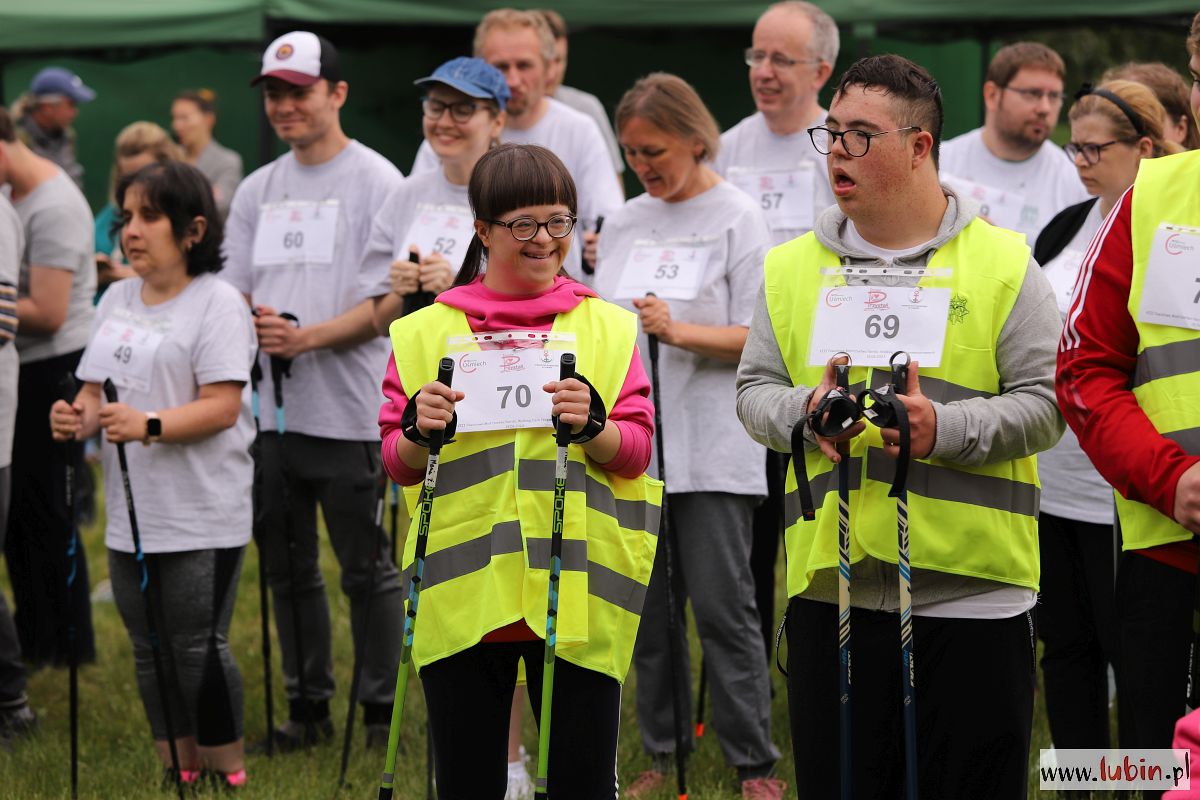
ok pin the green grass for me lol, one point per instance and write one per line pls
(116, 758)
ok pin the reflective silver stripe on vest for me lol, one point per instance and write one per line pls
(1188, 439)
(574, 553)
(821, 485)
(465, 472)
(467, 557)
(936, 389)
(613, 587)
(538, 476)
(1166, 361)
(946, 483)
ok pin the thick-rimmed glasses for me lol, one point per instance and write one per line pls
(525, 228)
(756, 58)
(460, 111)
(1091, 152)
(856, 143)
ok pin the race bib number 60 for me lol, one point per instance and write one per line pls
(296, 233)
(873, 322)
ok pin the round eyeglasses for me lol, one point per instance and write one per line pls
(856, 143)
(461, 111)
(1091, 152)
(525, 228)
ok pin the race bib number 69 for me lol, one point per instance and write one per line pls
(873, 322)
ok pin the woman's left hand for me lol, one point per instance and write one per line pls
(655, 315)
(572, 401)
(122, 423)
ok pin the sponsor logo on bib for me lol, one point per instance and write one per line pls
(1177, 245)
(469, 364)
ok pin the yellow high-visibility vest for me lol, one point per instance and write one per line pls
(488, 558)
(974, 521)
(1166, 380)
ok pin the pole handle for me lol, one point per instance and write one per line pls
(566, 369)
(900, 371)
(110, 390)
(445, 377)
(67, 388)
(651, 339)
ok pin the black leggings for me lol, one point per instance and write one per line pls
(469, 697)
(193, 594)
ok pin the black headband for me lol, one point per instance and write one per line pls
(1134, 119)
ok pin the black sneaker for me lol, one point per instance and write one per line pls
(16, 723)
(293, 735)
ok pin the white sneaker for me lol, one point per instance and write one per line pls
(520, 785)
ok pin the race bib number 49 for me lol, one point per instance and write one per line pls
(296, 233)
(873, 322)
(503, 388)
(1171, 294)
(123, 349)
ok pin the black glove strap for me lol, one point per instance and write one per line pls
(807, 509)
(886, 410)
(597, 415)
(842, 413)
(408, 425)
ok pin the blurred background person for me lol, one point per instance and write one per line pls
(1171, 90)
(193, 117)
(44, 115)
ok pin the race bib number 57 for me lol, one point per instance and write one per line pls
(873, 322)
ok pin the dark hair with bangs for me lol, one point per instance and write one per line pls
(509, 177)
(181, 193)
(916, 96)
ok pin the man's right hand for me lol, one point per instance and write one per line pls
(828, 445)
(1187, 499)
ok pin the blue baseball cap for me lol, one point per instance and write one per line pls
(473, 77)
(56, 80)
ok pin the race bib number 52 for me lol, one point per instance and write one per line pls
(873, 322)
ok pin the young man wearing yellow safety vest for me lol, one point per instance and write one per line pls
(1129, 385)
(967, 297)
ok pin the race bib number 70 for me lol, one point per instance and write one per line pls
(503, 388)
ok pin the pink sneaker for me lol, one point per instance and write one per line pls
(646, 785)
(763, 789)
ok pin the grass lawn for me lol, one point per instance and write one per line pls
(116, 758)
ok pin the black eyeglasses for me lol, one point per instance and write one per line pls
(1037, 95)
(856, 143)
(756, 58)
(1091, 152)
(460, 111)
(525, 228)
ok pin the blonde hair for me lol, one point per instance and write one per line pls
(1170, 88)
(670, 104)
(1141, 100)
(510, 18)
(143, 137)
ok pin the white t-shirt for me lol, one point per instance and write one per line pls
(333, 394)
(1020, 195)
(589, 104)
(574, 138)
(425, 210)
(705, 446)
(60, 234)
(1002, 603)
(1071, 486)
(12, 245)
(785, 175)
(189, 496)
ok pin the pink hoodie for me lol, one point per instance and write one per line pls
(489, 311)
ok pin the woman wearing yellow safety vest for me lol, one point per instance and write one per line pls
(483, 601)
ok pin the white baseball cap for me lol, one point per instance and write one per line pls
(300, 58)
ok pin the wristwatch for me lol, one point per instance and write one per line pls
(153, 428)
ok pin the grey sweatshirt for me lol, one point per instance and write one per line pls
(1021, 420)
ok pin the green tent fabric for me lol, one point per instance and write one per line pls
(56, 25)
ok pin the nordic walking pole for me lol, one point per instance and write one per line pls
(701, 693)
(160, 676)
(387, 784)
(360, 649)
(664, 541)
(562, 437)
(264, 601)
(282, 368)
(888, 411)
(68, 390)
(842, 380)
(395, 509)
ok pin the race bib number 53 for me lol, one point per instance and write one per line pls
(873, 322)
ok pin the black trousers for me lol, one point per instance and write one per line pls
(469, 697)
(39, 527)
(764, 546)
(974, 681)
(1154, 624)
(1075, 622)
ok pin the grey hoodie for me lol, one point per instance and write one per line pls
(1023, 419)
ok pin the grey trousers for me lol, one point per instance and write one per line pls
(341, 476)
(712, 535)
(12, 671)
(193, 594)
